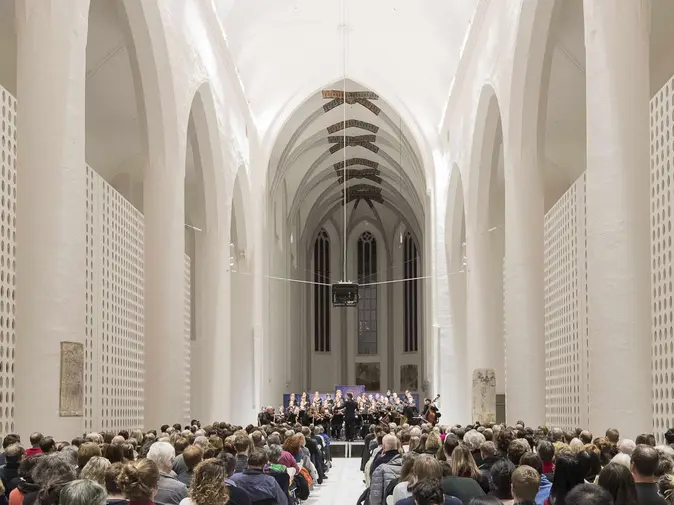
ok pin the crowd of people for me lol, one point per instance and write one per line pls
(218, 464)
(501, 465)
(281, 464)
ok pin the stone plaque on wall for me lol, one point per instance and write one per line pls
(484, 395)
(409, 377)
(71, 401)
(368, 375)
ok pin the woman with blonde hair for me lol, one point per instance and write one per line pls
(433, 444)
(208, 484)
(95, 470)
(463, 465)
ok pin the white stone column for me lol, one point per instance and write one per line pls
(50, 223)
(524, 291)
(164, 209)
(212, 392)
(483, 344)
(617, 74)
(448, 318)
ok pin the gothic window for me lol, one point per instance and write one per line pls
(367, 306)
(322, 292)
(411, 294)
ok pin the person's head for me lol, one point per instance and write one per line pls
(389, 443)
(87, 451)
(13, 454)
(425, 467)
(525, 482)
(613, 436)
(163, 454)
(619, 482)
(451, 442)
(83, 492)
(10, 439)
(192, 456)
(501, 478)
(95, 469)
(533, 460)
(473, 440)
(669, 436)
(114, 453)
(516, 449)
(463, 464)
(626, 446)
(488, 450)
(434, 442)
(229, 462)
(585, 437)
(556, 435)
(274, 453)
(112, 474)
(409, 459)
(644, 463)
(257, 459)
(51, 473)
(568, 474)
(665, 466)
(546, 451)
(139, 479)
(428, 492)
(242, 443)
(208, 484)
(35, 439)
(588, 494)
(180, 445)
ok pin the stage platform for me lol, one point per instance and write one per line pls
(341, 449)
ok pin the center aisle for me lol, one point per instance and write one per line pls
(343, 486)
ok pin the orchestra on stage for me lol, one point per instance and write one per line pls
(349, 417)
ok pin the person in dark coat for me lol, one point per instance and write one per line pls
(9, 472)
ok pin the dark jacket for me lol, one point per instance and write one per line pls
(9, 474)
(464, 488)
(170, 490)
(449, 500)
(241, 463)
(238, 496)
(260, 486)
(647, 493)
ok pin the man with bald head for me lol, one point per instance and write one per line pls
(385, 469)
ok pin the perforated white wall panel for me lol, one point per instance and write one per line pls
(566, 387)
(7, 257)
(114, 378)
(187, 340)
(662, 320)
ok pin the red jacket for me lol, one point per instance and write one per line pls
(32, 451)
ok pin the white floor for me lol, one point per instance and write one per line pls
(343, 486)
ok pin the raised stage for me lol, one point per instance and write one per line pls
(341, 449)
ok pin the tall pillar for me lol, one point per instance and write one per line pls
(618, 253)
(50, 221)
(164, 209)
(524, 291)
(483, 344)
(211, 358)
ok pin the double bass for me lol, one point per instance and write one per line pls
(431, 414)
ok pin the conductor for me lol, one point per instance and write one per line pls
(350, 407)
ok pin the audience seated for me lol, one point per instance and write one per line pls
(259, 486)
(170, 490)
(386, 468)
(525, 485)
(208, 484)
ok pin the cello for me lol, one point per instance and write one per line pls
(432, 412)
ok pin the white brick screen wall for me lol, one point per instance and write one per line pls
(662, 310)
(566, 385)
(114, 345)
(7, 257)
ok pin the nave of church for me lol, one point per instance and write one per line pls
(184, 185)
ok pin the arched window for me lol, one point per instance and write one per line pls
(322, 292)
(367, 306)
(411, 294)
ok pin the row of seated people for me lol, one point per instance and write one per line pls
(217, 465)
(500, 465)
